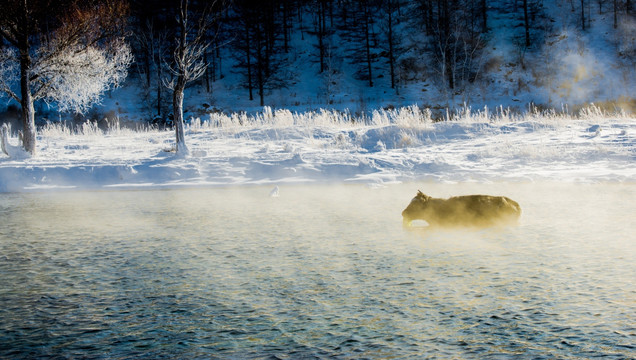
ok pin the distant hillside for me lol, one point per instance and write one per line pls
(362, 55)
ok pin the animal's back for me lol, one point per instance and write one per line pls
(486, 209)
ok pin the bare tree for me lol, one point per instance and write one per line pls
(150, 42)
(153, 45)
(259, 54)
(526, 22)
(390, 17)
(391, 39)
(69, 54)
(583, 14)
(189, 63)
(360, 34)
(484, 16)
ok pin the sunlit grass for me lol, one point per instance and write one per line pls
(411, 117)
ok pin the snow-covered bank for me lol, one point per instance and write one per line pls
(284, 147)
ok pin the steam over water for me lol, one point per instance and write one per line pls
(317, 272)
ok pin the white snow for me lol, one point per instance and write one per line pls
(281, 147)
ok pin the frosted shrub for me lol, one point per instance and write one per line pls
(78, 78)
(465, 114)
(408, 117)
(413, 117)
(195, 124)
(380, 117)
(324, 118)
(284, 117)
(114, 127)
(592, 112)
(268, 116)
(547, 118)
(58, 130)
(341, 141)
(90, 128)
(217, 120)
(406, 140)
(240, 119)
(503, 115)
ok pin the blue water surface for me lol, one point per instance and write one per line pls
(319, 272)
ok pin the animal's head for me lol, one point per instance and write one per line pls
(416, 208)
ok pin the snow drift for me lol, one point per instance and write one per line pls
(277, 147)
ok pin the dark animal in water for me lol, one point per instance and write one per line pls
(462, 211)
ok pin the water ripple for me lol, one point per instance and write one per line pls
(227, 273)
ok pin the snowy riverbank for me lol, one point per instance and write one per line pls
(283, 147)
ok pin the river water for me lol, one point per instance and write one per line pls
(318, 272)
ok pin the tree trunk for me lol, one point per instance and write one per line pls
(260, 68)
(321, 34)
(179, 87)
(526, 22)
(285, 12)
(484, 16)
(207, 72)
(214, 64)
(28, 122)
(147, 60)
(249, 60)
(368, 45)
(159, 77)
(391, 55)
(177, 106)
(446, 40)
(300, 21)
(28, 112)
(219, 59)
(4, 139)
(583, 14)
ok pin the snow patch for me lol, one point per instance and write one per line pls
(377, 151)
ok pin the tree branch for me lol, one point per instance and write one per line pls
(9, 92)
(12, 40)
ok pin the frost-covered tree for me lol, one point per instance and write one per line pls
(189, 63)
(68, 54)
